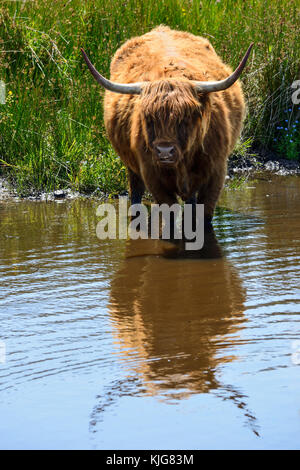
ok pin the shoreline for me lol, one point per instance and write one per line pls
(237, 168)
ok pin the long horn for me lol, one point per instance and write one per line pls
(227, 82)
(130, 88)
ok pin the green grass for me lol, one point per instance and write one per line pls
(51, 127)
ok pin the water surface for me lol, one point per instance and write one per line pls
(131, 344)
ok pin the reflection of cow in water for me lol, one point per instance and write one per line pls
(175, 316)
(172, 319)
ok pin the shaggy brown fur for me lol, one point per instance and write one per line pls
(203, 128)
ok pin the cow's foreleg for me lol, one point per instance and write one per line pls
(161, 195)
(192, 200)
(208, 195)
(137, 187)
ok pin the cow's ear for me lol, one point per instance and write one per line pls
(206, 107)
(205, 100)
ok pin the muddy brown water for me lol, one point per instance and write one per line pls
(126, 345)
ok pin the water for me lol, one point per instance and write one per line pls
(130, 345)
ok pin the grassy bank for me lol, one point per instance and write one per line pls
(51, 128)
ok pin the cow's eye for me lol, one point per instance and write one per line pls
(150, 130)
(182, 132)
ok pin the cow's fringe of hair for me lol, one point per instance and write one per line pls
(173, 100)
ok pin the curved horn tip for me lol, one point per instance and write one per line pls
(83, 52)
(250, 47)
(220, 85)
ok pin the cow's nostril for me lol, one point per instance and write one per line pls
(163, 150)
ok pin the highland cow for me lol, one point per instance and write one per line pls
(173, 112)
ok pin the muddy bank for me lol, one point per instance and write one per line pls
(7, 191)
(263, 161)
(237, 166)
